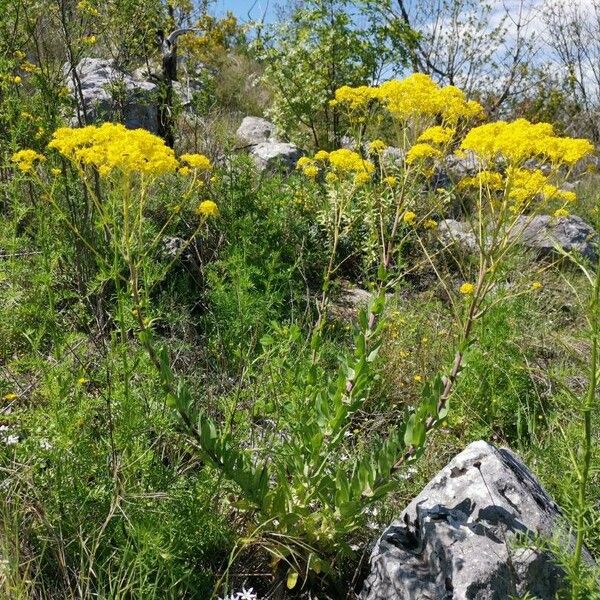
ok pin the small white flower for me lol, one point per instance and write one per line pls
(247, 594)
(45, 444)
(11, 440)
(4, 428)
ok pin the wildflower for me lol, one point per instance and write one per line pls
(303, 161)
(362, 178)
(420, 152)
(10, 397)
(89, 40)
(331, 177)
(197, 161)
(348, 161)
(25, 159)
(430, 224)
(29, 67)
(112, 146)
(418, 378)
(521, 140)
(484, 179)
(11, 440)
(354, 99)
(467, 289)
(17, 79)
(322, 155)
(56, 172)
(311, 171)
(561, 212)
(185, 171)
(437, 135)
(536, 285)
(207, 208)
(377, 146)
(390, 180)
(409, 217)
(419, 96)
(566, 196)
(45, 444)
(82, 381)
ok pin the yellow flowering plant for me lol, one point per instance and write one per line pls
(121, 172)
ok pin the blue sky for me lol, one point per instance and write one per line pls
(241, 7)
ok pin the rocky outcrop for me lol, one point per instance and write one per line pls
(457, 233)
(541, 233)
(544, 233)
(470, 535)
(255, 130)
(269, 153)
(112, 95)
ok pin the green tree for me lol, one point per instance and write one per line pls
(323, 45)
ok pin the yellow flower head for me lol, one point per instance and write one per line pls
(421, 152)
(536, 285)
(467, 289)
(348, 161)
(26, 158)
(207, 208)
(430, 224)
(390, 180)
(10, 397)
(17, 79)
(311, 171)
(197, 161)
(561, 212)
(331, 177)
(362, 178)
(409, 217)
(322, 155)
(437, 135)
(112, 146)
(56, 172)
(303, 161)
(377, 146)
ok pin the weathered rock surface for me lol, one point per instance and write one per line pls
(271, 156)
(255, 130)
(457, 233)
(469, 535)
(269, 153)
(111, 95)
(542, 233)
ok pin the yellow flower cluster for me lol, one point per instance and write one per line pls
(340, 162)
(415, 96)
(207, 208)
(112, 147)
(437, 135)
(377, 146)
(356, 98)
(521, 140)
(523, 185)
(196, 161)
(490, 180)
(421, 152)
(25, 159)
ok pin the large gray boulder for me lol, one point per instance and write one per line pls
(457, 233)
(544, 233)
(273, 156)
(112, 95)
(269, 153)
(541, 233)
(470, 535)
(255, 130)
